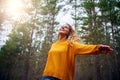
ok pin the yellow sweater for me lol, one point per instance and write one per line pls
(61, 58)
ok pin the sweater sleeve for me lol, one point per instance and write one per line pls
(85, 49)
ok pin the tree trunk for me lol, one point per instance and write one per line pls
(98, 71)
(26, 67)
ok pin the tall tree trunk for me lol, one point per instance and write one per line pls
(75, 14)
(27, 57)
(115, 55)
(95, 41)
(26, 67)
(98, 70)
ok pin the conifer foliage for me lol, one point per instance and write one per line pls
(24, 54)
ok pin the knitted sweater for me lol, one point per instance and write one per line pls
(61, 58)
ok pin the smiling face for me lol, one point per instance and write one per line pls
(64, 30)
(67, 32)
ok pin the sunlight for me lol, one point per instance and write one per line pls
(15, 8)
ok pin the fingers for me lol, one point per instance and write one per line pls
(105, 49)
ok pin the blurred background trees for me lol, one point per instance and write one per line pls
(34, 28)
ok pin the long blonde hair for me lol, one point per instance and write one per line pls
(72, 36)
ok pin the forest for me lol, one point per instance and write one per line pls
(33, 28)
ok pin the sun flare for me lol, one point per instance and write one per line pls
(15, 8)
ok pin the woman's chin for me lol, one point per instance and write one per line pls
(62, 33)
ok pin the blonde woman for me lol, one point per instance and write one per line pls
(60, 63)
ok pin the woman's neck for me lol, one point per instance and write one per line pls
(61, 37)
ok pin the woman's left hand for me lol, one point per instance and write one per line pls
(105, 49)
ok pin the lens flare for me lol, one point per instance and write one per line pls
(15, 8)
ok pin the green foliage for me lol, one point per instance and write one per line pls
(24, 55)
(25, 45)
(8, 55)
(88, 5)
(117, 48)
(12, 46)
(100, 23)
(117, 40)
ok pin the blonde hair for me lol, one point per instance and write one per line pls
(72, 36)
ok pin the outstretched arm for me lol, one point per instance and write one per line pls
(84, 49)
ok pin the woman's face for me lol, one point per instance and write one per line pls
(64, 30)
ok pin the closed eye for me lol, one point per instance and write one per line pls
(66, 27)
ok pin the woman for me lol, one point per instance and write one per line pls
(60, 64)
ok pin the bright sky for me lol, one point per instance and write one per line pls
(64, 15)
(65, 18)
(15, 10)
(14, 7)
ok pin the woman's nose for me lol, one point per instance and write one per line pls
(62, 27)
